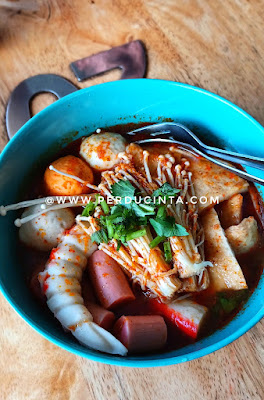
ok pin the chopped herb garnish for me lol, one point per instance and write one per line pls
(123, 189)
(89, 209)
(228, 302)
(105, 207)
(110, 229)
(167, 227)
(97, 198)
(127, 220)
(117, 209)
(142, 210)
(167, 251)
(162, 212)
(136, 234)
(99, 237)
(155, 242)
(165, 190)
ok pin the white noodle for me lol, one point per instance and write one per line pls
(145, 158)
(20, 221)
(73, 177)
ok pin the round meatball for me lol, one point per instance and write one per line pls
(101, 150)
(61, 185)
(43, 232)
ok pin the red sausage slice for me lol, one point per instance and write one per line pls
(141, 333)
(101, 317)
(109, 281)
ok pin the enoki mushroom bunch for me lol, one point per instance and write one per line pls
(145, 265)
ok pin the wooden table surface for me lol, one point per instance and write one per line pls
(217, 45)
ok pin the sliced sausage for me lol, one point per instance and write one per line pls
(109, 281)
(101, 316)
(141, 333)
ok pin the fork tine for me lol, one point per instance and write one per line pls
(161, 128)
(222, 164)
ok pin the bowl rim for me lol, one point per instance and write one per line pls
(108, 358)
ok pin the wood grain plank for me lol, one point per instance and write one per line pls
(211, 44)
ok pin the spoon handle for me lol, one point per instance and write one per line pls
(233, 169)
(251, 161)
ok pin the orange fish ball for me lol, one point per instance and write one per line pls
(60, 185)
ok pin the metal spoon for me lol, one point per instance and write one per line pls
(181, 135)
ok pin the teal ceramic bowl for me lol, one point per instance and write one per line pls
(79, 114)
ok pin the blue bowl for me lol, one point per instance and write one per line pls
(79, 114)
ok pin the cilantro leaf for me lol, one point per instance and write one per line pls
(143, 221)
(167, 227)
(179, 230)
(165, 190)
(162, 213)
(137, 210)
(117, 209)
(118, 220)
(99, 237)
(122, 189)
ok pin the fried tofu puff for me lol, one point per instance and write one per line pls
(61, 185)
(43, 232)
(101, 150)
(243, 237)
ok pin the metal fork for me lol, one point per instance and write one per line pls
(181, 135)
